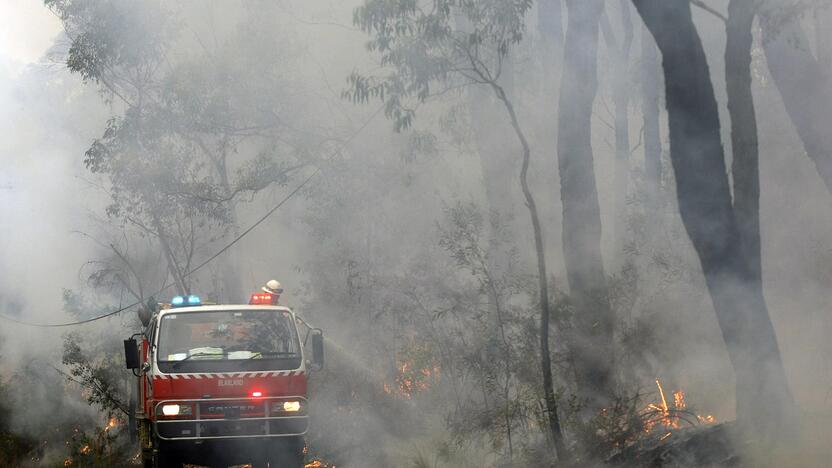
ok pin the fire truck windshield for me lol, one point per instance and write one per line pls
(224, 341)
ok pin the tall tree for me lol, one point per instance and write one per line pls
(491, 145)
(550, 28)
(806, 89)
(549, 51)
(170, 151)
(619, 49)
(593, 344)
(650, 84)
(426, 52)
(494, 144)
(762, 395)
(745, 169)
(550, 24)
(119, 47)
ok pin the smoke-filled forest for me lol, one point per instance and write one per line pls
(523, 233)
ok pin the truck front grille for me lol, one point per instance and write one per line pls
(226, 418)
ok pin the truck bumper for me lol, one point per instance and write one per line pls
(232, 418)
(227, 452)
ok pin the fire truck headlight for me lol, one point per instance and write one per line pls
(291, 406)
(177, 410)
(288, 406)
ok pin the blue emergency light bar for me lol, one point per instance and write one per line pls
(181, 301)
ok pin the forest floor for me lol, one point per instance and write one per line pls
(694, 447)
(809, 445)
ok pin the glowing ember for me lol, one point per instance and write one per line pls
(318, 464)
(707, 419)
(85, 450)
(679, 400)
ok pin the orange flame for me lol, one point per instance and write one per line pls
(410, 381)
(661, 393)
(111, 423)
(318, 464)
(667, 417)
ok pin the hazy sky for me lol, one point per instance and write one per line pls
(27, 29)
(44, 143)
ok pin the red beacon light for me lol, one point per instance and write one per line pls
(263, 298)
(256, 394)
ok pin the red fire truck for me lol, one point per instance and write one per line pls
(222, 385)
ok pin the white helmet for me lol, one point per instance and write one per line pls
(273, 287)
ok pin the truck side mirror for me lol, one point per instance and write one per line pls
(131, 354)
(317, 349)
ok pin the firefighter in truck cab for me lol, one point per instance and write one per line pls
(222, 385)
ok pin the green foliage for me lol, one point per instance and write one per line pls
(100, 376)
(428, 50)
(99, 447)
(95, 373)
(498, 333)
(420, 144)
(152, 176)
(13, 446)
(612, 429)
(115, 41)
(193, 133)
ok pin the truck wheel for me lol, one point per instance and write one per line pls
(166, 460)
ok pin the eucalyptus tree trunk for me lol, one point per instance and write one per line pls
(549, 49)
(650, 84)
(804, 86)
(620, 58)
(494, 148)
(745, 164)
(762, 395)
(542, 278)
(550, 23)
(231, 277)
(593, 344)
(158, 228)
(491, 146)
(179, 278)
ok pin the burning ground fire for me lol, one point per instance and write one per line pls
(412, 379)
(88, 448)
(318, 464)
(661, 416)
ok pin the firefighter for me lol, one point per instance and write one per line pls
(274, 288)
